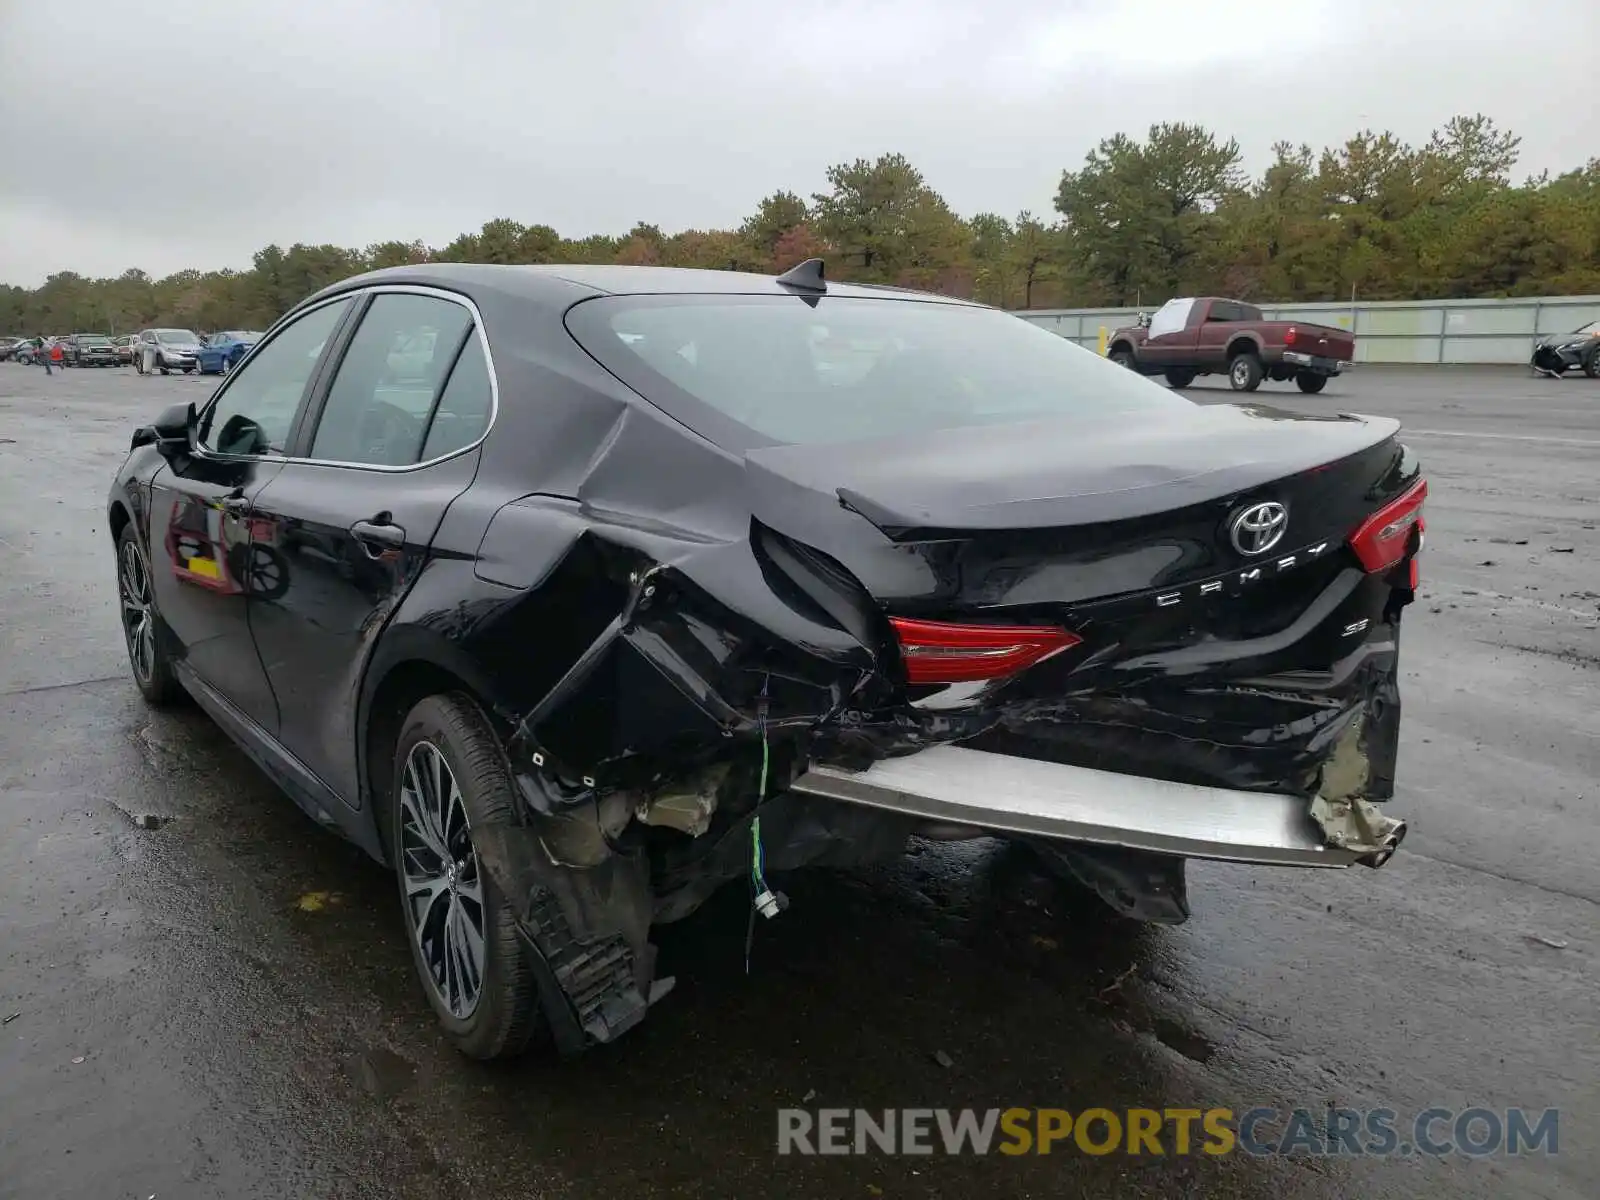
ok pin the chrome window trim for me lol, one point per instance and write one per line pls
(412, 289)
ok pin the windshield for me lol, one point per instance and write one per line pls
(234, 335)
(93, 339)
(176, 335)
(748, 371)
(1591, 327)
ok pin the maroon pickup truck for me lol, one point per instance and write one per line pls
(1191, 337)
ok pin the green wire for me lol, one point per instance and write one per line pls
(758, 870)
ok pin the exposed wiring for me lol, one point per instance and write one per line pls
(758, 858)
(763, 899)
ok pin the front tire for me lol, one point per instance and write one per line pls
(1180, 379)
(1591, 362)
(1122, 358)
(449, 778)
(1245, 372)
(142, 630)
(1311, 384)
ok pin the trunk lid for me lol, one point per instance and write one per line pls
(1064, 474)
(1144, 535)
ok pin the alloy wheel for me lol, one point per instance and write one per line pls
(1241, 372)
(138, 616)
(443, 885)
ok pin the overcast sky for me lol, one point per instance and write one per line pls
(193, 132)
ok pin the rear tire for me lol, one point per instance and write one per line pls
(440, 892)
(1180, 379)
(1311, 384)
(1245, 372)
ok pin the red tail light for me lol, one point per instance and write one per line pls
(1382, 539)
(939, 652)
(1290, 337)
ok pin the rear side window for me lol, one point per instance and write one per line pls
(748, 371)
(395, 367)
(464, 407)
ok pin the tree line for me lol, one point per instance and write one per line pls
(1173, 213)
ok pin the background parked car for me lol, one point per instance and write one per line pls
(166, 350)
(1563, 351)
(90, 350)
(223, 350)
(124, 345)
(8, 347)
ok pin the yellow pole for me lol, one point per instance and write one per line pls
(1102, 341)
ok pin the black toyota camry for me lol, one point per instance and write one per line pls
(573, 593)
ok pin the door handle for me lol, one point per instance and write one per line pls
(377, 536)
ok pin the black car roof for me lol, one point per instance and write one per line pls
(572, 282)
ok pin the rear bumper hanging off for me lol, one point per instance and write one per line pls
(1005, 794)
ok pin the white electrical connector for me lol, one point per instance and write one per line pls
(770, 903)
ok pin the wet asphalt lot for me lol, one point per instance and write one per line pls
(223, 1006)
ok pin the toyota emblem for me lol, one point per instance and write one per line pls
(1259, 528)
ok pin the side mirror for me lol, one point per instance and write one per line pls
(171, 434)
(1144, 320)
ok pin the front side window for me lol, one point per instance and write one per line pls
(378, 408)
(255, 410)
(749, 371)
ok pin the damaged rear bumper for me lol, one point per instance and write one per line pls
(999, 793)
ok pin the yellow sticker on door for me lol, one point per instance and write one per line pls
(205, 566)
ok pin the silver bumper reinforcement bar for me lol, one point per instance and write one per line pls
(1004, 794)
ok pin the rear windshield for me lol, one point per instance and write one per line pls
(749, 371)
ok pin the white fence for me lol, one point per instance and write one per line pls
(1401, 331)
